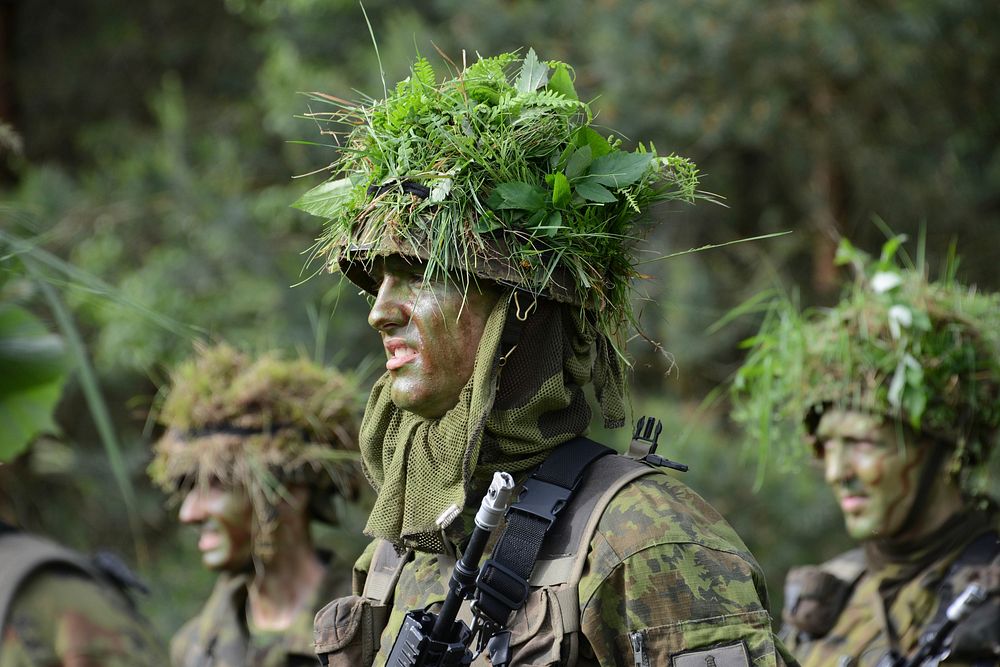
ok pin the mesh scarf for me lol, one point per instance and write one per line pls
(502, 421)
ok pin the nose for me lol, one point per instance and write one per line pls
(835, 461)
(192, 509)
(391, 307)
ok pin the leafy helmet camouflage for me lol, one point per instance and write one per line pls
(897, 345)
(258, 425)
(494, 172)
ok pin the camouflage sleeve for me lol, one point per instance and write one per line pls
(63, 619)
(666, 578)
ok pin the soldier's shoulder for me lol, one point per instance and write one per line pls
(658, 509)
(62, 610)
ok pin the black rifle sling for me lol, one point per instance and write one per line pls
(503, 581)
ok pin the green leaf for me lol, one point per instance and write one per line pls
(560, 190)
(326, 199)
(551, 224)
(588, 137)
(533, 74)
(592, 191)
(35, 365)
(620, 169)
(517, 195)
(579, 161)
(561, 82)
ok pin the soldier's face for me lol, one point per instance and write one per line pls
(874, 477)
(225, 516)
(430, 331)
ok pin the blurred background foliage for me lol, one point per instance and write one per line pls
(149, 158)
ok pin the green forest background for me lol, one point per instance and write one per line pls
(150, 152)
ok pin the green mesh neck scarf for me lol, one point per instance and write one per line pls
(506, 418)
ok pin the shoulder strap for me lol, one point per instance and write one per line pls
(22, 554)
(383, 573)
(503, 580)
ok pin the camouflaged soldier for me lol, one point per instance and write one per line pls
(58, 608)
(900, 388)
(255, 449)
(489, 223)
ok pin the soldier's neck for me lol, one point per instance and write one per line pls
(285, 585)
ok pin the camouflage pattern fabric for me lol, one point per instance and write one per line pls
(63, 618)
(664, 569)
(220, 636)
(882, 611)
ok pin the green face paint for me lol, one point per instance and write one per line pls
(430, 331)
(874, 479)
(224, 516)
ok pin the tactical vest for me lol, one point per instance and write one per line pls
(348, 630)
(22, 555)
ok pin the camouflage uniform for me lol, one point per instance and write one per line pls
(66, 612)
(220, 635)
(892, 598)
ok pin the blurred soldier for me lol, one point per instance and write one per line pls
(255, 449)
(500, 294)
(899, 385)
(58, 608)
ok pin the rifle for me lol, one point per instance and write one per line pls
(440, 640)
(935, 646)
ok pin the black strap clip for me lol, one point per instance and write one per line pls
(645, 439)
(542, 499)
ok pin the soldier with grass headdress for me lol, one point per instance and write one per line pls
(492, 227)
(255, 449)
(58, 607)
(896, 390)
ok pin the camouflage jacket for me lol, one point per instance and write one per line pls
(848, 612)
(665, 578)
(220, 636)
(66, 612)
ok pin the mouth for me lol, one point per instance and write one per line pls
(853, 503)
(399, 353)
(209, 540)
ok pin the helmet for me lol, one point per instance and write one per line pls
(259, 424)
(494, 172)
(924, 353)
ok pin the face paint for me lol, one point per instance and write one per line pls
(874, 479)
(225, 516)
(430, 331)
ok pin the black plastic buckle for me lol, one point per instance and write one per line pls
(511, 577)
(541, 499)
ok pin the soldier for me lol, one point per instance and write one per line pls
(255, 449)
(899, 388)
(500, 294)
(58, 608)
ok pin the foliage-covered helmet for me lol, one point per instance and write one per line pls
(259, 424)
(495, 172)
(924, 353)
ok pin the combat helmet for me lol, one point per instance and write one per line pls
(495, 171)
(925, 354)
(259, 424)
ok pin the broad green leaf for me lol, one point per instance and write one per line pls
(560, 190)
(588, 137)
(533, 74)
(562, 82)
(620, 169)
(33, 368)
(326, 199)
(595, 192)
(579, 161)
(552, 224)
(517, 195)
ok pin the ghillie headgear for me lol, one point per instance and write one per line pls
(496, 173)
(926, 354)
(260, 425)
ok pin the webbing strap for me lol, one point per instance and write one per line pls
(503, 586)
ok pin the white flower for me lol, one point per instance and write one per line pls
(883, 281)
(440, 190)
(900, 318)
(895, 396)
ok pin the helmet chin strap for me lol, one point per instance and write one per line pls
(928, 475)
